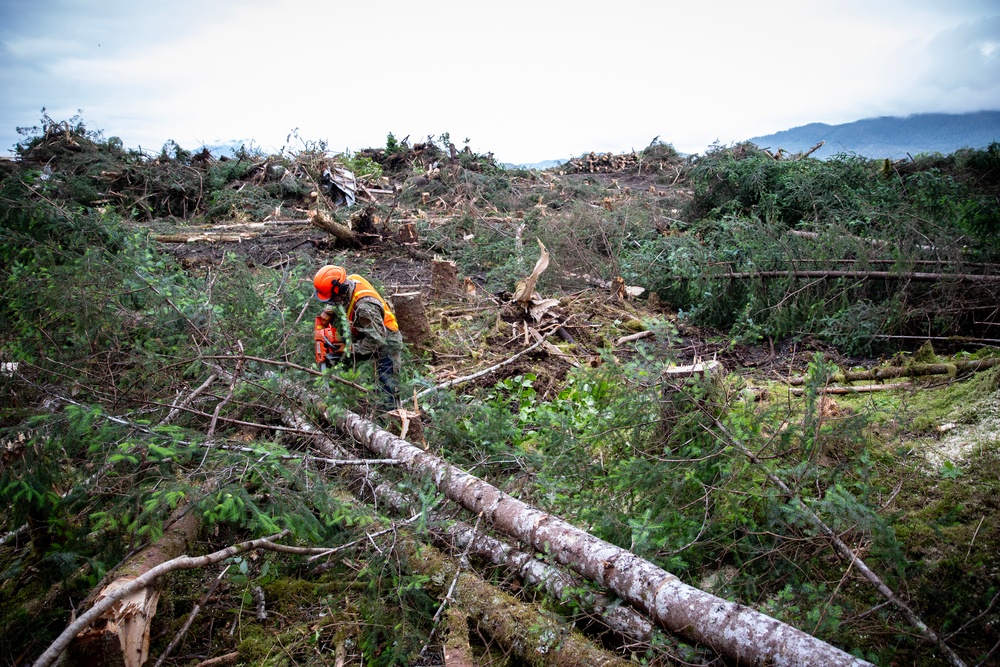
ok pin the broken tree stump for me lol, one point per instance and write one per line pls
(444, 276)
(407, 234)
(412, 318)
(121, 635)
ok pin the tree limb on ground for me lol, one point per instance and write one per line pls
(485, 371)
(61, 642)
(911, 370)
(916, 276)
(340, 232)
(287, 364)
(848, 553)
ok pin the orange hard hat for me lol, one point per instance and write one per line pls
(329, 280)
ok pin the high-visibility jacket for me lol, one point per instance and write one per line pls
(363, 288)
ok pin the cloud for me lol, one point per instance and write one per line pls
(528, 80)
(967, 57)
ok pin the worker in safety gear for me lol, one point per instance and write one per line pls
(355, 306)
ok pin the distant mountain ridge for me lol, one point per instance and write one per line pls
(890, 137)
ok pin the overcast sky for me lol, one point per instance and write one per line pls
(529, 81)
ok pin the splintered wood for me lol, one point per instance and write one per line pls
(407, 234)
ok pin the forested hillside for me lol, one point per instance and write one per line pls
(890, 136)
(738, 408)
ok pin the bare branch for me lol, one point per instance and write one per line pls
(180, 563)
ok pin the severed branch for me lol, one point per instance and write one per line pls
(55, 649)
(485, 371)
(632, 337)
(176, 409)
(229, 396)
(207, 237)
(287, 364)
(227, 659)
(811, 150)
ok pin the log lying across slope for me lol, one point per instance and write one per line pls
(736, 632)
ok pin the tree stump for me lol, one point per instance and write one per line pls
(411, 317)
(444, 276)
(407, 234)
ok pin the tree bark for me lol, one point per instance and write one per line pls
(412, 318)
(736, 632)
(407, 234)
(519, 627)
(340, 232)
(444, 277)
(121, 634)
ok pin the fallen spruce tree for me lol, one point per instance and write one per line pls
(734, 631)
(455, 535)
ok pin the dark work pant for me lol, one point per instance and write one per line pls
(387, 380)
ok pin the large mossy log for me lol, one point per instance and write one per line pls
(520, 628)
(910, 370)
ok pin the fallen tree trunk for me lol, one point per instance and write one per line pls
(621, 619)
(342, 233)
(912, 370)
(736, 632)
(121, 634)
(916, 276)
(860, 389)
(520, 628)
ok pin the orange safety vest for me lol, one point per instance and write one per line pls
(363, 288)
